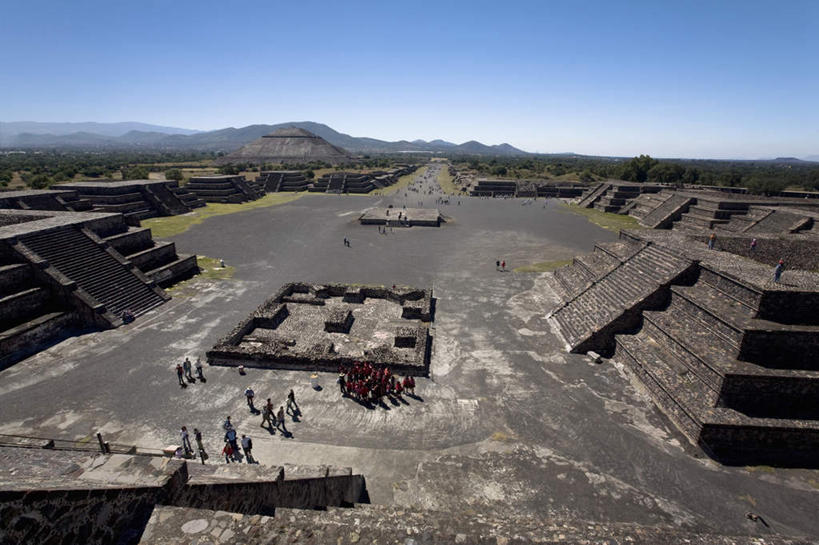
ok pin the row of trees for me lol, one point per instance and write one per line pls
(757, 176)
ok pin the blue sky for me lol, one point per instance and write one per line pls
(672, 79)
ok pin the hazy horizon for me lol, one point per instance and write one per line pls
(700, 80)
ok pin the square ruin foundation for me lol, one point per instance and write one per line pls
(321, 326)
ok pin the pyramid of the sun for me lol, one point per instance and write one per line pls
(291, 145)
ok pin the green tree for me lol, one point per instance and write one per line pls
(637, 169)
(665, 173)
(135, 173)
(39, 181)
(174, 174)
(586, 176)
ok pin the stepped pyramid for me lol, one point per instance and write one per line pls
(289, 144)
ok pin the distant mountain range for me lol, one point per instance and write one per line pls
(24, 135)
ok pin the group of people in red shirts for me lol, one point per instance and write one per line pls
(367, 383)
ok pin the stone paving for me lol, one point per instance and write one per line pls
(508, 424)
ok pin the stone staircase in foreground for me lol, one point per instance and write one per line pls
(607, 290)
(734, 377)
(104, 275)
(376, 524)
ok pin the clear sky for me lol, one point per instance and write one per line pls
(670, 78)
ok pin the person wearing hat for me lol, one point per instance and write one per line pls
(778, 270)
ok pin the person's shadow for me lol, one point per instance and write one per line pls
(416, 397)
(402, 400)
(183, 385)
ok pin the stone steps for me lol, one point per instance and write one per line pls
(588, 200)
(96, 271)
(589, 319)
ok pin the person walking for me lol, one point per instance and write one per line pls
(753, 245)
(186, 441)
(186, 366)
(711, 240)
(227, 425)
(292, 406)
(497, 264)
(280, 420)
(247, 446)
(199, 373)
(266, 415)
(197, 435)
(230, 437)
(778, 270)
(180, 374)
(503, 265)
(249, 394)
(227, 450)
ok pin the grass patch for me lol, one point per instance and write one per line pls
(606, 220)
(174, 225)
(402, 182)
(210, 270)
(543, 266)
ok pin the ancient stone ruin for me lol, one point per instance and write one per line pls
(332, 182)
(288, 145)
(323, 326)
(62, 272)
(60, 494)
(136, 199)
(225, 189)
(402, 217)
(729, 355)
(525, 188)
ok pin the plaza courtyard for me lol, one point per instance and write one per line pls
(507, 423)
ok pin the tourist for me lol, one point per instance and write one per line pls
(197, 435)
(230, 437)
(497, 264)
(292, 406)
(180, 374)
(247, 446)
(503, 265)
(227, 451)
(341, 383)
(711, 240)
(753, 244)
(199, 373)
(266, 414)
(778, 270)
(186, 441)
(281, 419)
(186, 366)
(249, 394)
(227, 425)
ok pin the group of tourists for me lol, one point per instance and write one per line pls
(500, 265)
(183, 372)
(367, 383)
(273, 419)
(231, 450)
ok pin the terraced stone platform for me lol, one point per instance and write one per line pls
(320, 327)
(66, 272)
(136, 199)
(429, 217)
(727, 354)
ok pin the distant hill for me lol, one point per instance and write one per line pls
(9, 130)
(225, 140)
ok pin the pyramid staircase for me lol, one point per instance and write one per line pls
(737, 380)
(224, 189)
(606, 291)
(189, 199)
(99, 271)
